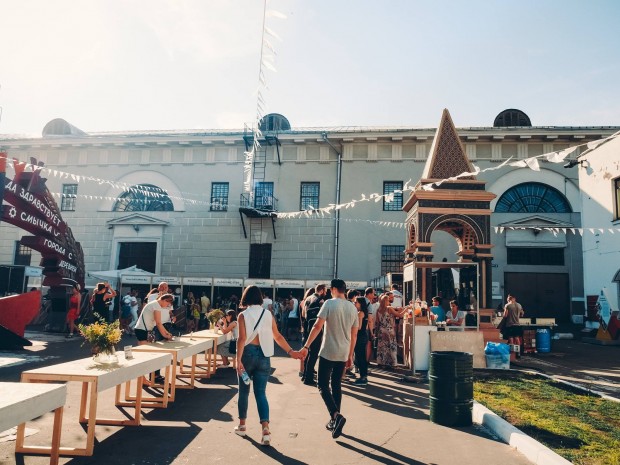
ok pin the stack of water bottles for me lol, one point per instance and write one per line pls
(497, 355)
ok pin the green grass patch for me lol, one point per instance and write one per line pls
(582, 428)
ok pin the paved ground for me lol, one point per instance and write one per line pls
(592, 366)
(387, 423)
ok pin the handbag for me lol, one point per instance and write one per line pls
(152, 335)
(232, 346)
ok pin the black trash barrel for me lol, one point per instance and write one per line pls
(451, 382)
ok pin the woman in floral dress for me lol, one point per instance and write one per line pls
(386, 333)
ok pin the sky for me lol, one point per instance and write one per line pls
(110, 65)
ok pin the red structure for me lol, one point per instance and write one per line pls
(32, 208)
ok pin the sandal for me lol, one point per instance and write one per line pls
(240, 430)
(266, 437)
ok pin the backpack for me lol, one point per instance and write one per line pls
(313, 307)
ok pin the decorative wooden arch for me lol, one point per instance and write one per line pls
(459, 206)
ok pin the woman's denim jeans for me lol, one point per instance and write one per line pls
(259, 368)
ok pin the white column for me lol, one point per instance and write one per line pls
(82, 158)
(167, 156)
(144, 158)
(547, 148)
(397, 151)
(324, 154)
(522, 150)
(420, 152)
(496, 151)
(211, 155)
(470, 150)
(188, 155)
(347, 152)
(301, 154)
(372, 152)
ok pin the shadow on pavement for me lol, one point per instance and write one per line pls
(274, 453)
(397, 459)
(153, 444)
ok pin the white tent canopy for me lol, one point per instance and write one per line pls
(116, 275)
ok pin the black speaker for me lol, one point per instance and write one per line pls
(10, 340)
(59, 306)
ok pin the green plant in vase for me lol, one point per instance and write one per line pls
(214, 316)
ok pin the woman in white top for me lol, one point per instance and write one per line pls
(226, 325)
(455, 318)
(257, 333)
(151, 316)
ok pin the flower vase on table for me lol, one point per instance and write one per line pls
(106, 356)
(103, 337)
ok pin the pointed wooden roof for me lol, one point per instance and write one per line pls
(447, 157)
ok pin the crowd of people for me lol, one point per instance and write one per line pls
(344, 331)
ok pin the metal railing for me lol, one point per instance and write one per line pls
(262, 202)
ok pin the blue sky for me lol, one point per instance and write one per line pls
(137, 64)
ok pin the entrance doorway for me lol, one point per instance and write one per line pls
(542, 295)
(260, 261)
(141, 254)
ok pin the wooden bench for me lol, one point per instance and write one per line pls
(20, 403)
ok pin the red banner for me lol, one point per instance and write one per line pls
(34, 203)
(34, 224)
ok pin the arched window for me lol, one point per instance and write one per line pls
(532, 197)
(143, 198)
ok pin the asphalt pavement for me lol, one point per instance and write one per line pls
(387, 422)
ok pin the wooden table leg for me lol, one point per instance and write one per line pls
(92, 419)
(55, 452)
(83, 402)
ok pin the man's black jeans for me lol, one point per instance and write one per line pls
(313, 356)
(331, 371)
(360, 357)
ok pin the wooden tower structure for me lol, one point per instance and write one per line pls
(459, 206)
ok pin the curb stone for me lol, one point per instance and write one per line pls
(535, 452)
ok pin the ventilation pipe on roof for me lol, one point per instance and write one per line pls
(338, 183)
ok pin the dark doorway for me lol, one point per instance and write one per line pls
(141, 254)
(542, 295)
(260, 261)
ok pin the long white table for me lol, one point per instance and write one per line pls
(180, 349)
(20, 403)
(95, 378)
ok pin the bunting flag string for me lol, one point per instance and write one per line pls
(265, 62)
(532, 163)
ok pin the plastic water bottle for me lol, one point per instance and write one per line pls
(245, 377)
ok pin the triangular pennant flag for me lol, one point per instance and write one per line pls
(519, 164)
(558, 157)
(496, 229)
(532, 163)
(580, 231)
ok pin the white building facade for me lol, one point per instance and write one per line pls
(599, 178)
(189, 223)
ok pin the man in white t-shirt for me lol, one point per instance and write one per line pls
(133, 301)
(398, 297)
(294, 322)
(339, 318)
(166, 316)
(267, 303)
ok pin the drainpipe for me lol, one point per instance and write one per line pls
(338, 184)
